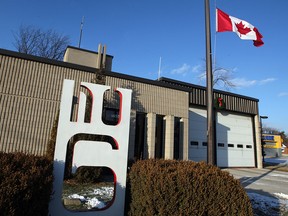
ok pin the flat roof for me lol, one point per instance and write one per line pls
(162, 82)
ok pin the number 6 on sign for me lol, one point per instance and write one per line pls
(92, 153)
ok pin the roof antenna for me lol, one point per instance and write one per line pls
(81, 28)
(159, 69)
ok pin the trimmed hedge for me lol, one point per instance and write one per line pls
(25, 184)
(86, 174)
(170, 187)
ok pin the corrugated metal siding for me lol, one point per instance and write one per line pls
(233, 103)
(150, 98)
(238, 104)
(29, 101)
(25, 123)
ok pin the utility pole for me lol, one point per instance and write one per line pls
(262, 140)
(211, 153)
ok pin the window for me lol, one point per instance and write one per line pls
(221, 145)
(159, 137)
(110, 116)
(230, 145)
(194, 143)
(239, 146)
(249, 146)
(204, 143)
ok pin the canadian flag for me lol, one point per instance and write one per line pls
(243, 29)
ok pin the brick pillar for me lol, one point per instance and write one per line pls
(184, 138)
(258, 142)
(169, 137)
(149, 148)
(132, 135)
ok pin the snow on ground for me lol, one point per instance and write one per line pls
(76, 196)
(280, 160)
(282, 196)
(95, 203)
(94, 199)
(264, 205)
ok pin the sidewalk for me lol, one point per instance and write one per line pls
(263, 180)
(279, 160)
(279, 163)
(266, 188)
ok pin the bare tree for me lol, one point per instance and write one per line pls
(222, 78)
(34, 41)
(270, 130)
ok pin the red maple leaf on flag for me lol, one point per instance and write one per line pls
(241, 28)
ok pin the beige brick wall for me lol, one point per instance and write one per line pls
(30, 93)
(29, 101)
(154, 99)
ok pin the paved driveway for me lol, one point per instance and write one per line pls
(263, 181)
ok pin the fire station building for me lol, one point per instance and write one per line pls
(168, 117)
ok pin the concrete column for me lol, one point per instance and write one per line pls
(149, 148)
(184, 138)
(258, 142)
(169, 137)
(132, 134)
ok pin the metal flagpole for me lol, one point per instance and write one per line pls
(211, 154)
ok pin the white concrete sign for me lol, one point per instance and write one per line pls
(92, 153)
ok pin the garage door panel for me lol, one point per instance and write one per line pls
(239, 135)
(239, 139)
(235, 130)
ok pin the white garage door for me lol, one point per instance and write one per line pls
(234, 138)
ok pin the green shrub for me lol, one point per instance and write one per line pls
(25, 184)
(86, 174)
(170, 187)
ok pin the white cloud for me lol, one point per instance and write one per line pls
(283, 94)
(183, 70)
(268, 80)
(242, 82)
(197, 68)
(186, 68)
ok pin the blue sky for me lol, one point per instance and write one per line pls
(137, 33)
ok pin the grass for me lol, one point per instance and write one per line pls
(86, 190)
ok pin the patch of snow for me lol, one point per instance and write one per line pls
(268, 205)
(282, 196)
(276, 160)
(107, 191)
(76, 196)
(95, 203)
(262, 204)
